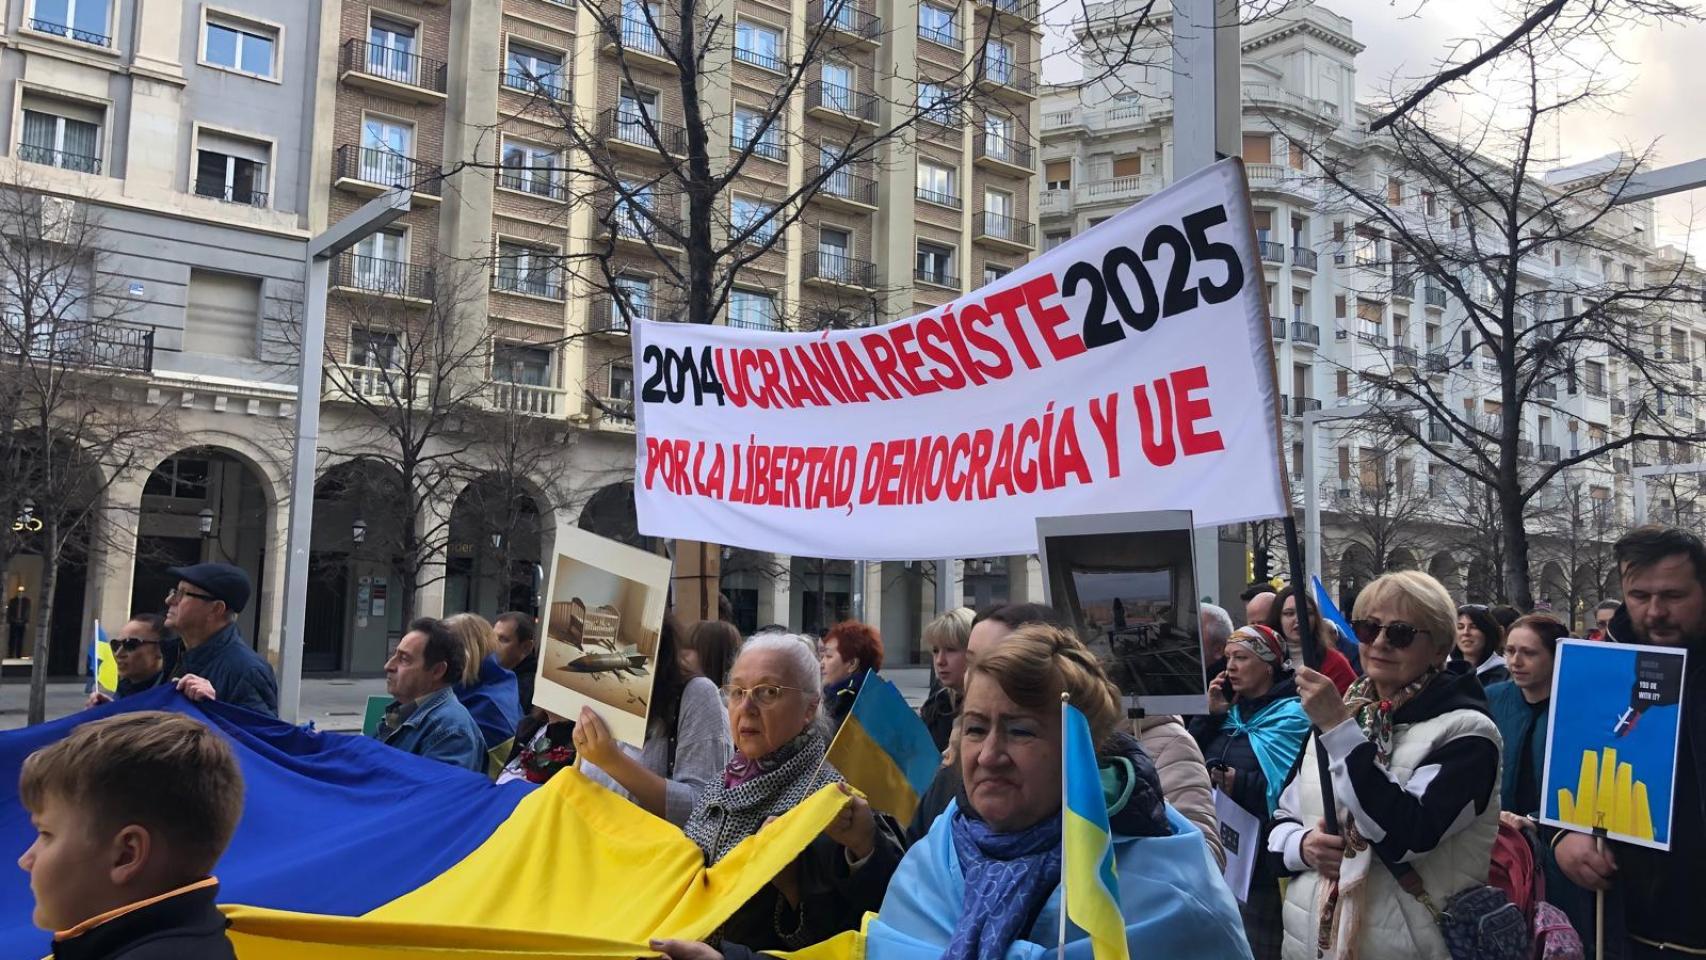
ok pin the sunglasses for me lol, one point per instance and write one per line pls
(128, 644)
(1398, 633)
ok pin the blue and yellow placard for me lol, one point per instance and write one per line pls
(1611, 757)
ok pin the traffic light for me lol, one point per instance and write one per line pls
(1261, 563)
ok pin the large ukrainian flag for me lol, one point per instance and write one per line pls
(1092, 890)
(884, 750)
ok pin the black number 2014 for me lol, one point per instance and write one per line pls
(1108, 282)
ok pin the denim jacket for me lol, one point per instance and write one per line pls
(438, 728)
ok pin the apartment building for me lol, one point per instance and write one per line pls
(173, 130)
(1339, 305)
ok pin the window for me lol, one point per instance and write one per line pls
(1394, 191)
(377, 349)
(759, 45)
(835, 254)
(531, 168)
(936, 184)
(222, 314)
(524, 268)
(1130, 165)
(840, 180)
(835, 87)
(387, 151)
(1300, 306)
(636, 293)
(1430, 203)
(1297, 460)
(998, 139)
(634, 211)
(1339, 307)
(182, 477)
(391, 51)
(513, 363)
(752, 310)
(1345, 465)
(936, 103)
(992, 273)
(379, 262)
(66, 138)
(243, 47)
(1058, 174)
(755, 215)
(534, 70)
(766, 144)
(633, 109)
(1342, 383)
(85, 21)
(998, 209)
(936, 264)
(1456, 219)
(1300, 233)
(1436, 479)
(1258, 148)
(936, 24)
(998, 62)
(1370, 316)
(231, 169)
(640, 22)
(621, 382)
(1264, 225)
(1296, 158)
(1052, 240)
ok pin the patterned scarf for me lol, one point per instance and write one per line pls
(1008, 877)
(1341, 929)
(740, 769)
(726, 813)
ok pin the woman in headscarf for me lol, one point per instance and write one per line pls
(985, 882)
(775, 716)
(1250, 739)
(1415, 767)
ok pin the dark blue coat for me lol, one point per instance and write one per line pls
(238, 674)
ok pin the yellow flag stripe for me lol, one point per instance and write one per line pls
(1089, 902)
(867, 766)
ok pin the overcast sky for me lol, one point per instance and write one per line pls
(1661, 99)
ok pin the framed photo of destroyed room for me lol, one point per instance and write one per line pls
(603, 613)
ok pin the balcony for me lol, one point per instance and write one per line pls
(1439, 361)
(528, 282)
(1376, 340)
(1270, 251)
(75, 162)
(231, 193)
(1525, 449)
(1279, 178)
(378, 384)
(937, 278)
(549, 87)
(843, 188)
(1276, 326)
(1304, 258)
(1118, 190)
(948, 200)
(942, 37)
(1024, 11)
(540, 182)
(1404, 289)
(1003, 231)
(644, 225)
(616, 413)
(640, 41)
(828, 101)
(1003, 77)
(1434, 296)
(833, 268)
(846, 18)
(68, 32)
(1546, 391)
(1619, 408)
(117, 346)
(636, 132)
(1550, 453)
(1001, 153)
(1303, 405)
(760, 59)
(390, 72)
(370, 171)
(525, 398)
(606, 317)
(1489, 365)
(379, 277)
(1406, 357)
(1302, 331)
(1439, 433)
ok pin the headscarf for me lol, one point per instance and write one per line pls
(1265, 644)
(1008, 877)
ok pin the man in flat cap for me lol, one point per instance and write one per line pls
(217, 663)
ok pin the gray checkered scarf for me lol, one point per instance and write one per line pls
(724, 816)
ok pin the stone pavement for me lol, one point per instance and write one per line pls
(334, 704)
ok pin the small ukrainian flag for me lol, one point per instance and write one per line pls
(885, 751)
(1092, 890)
(103, 666)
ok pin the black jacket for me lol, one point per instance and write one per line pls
(186, 926)
(525, 673)
(938, 713)
(1221, 748)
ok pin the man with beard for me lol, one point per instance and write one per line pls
(1653, 896)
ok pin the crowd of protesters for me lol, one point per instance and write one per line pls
(1394, 770)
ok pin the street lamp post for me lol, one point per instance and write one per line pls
(374, 216)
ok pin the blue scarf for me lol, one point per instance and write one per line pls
(1008, 877)
(1276, 733)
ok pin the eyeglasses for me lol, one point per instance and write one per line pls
(128, 644)
(1398, 633)
(765, 694)
(177, 594)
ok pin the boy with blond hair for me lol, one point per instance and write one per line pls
(131, 813)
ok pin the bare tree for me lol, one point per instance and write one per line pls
(1550, 285)
(74, 409)
(1381, 506)
(1579, 524)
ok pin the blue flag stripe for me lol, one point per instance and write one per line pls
(888, 720)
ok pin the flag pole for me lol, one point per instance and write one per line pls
(1312, 657)
(1065, 699)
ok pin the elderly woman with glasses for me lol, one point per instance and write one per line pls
(985, 882)
(1415, 769)
(776, 720)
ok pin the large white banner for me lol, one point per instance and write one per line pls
(1128, 369)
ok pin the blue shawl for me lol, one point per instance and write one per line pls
(1276, 733)
(493, 702)
(1172, 897)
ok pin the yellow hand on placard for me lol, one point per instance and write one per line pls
(1607, 797)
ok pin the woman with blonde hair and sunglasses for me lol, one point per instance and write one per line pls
(1415, 769)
